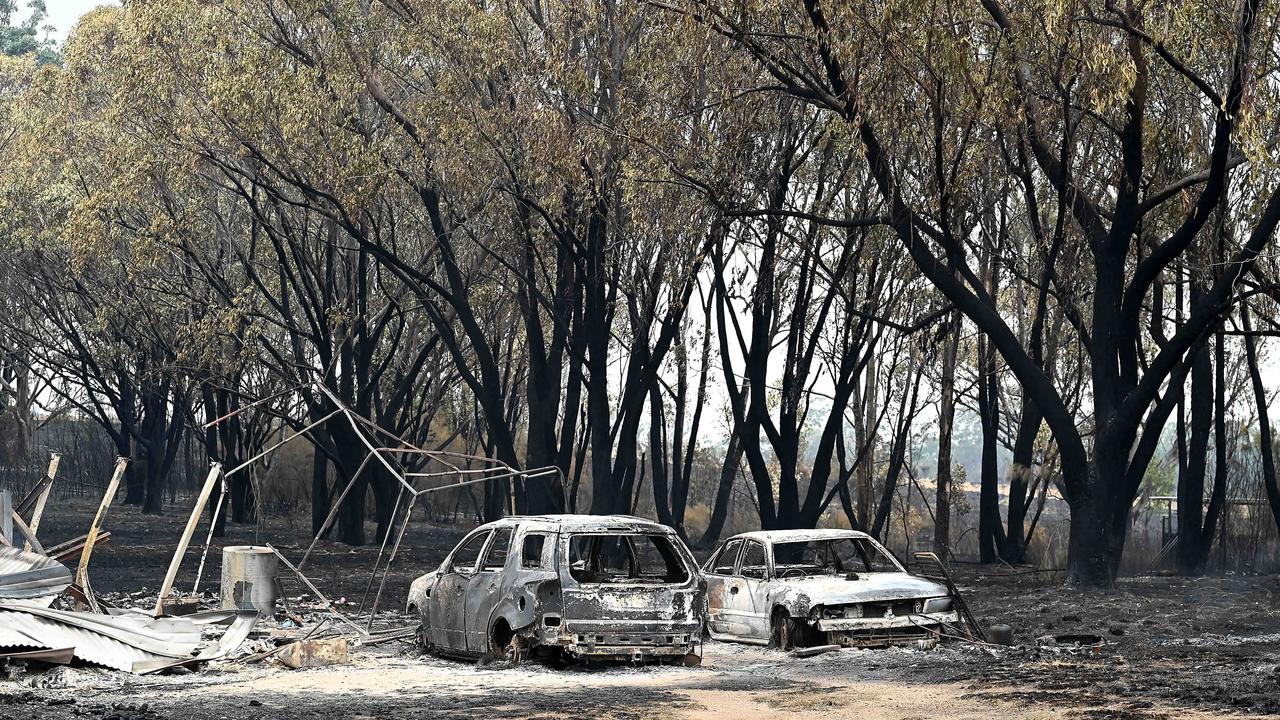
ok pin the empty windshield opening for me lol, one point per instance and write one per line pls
(631, 558)
(835, 556)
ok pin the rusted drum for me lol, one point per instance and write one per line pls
(249, 578)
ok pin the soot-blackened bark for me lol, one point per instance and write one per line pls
(946, 422)
(1265, 437)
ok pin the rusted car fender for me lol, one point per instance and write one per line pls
(528, 598)
(797, 603)
(419, 592)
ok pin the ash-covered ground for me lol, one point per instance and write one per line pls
(1170, 648)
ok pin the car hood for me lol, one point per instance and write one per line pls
(869, 587)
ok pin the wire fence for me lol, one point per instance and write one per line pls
(88, 456)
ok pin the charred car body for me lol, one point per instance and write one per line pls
(793, 588)
(563, 585)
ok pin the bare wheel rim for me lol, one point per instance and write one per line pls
(515, 650)
(780, 631)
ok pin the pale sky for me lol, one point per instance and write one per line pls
(63, 14)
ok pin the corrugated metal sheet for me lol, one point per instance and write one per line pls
(29, 576)
(172, 637)
(133, 642)
(12, 635)
(19, 629)
(234, 637)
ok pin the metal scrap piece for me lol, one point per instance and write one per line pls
(233, 638)
(133, 642)
(24, 630)
(314, 653)
(32, 577)
(54, 656)
(815, 650)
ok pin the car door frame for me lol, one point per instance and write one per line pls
(718, 586)
(448, 603)
(484, 591)
(753, 594)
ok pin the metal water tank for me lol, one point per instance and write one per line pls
(249, 578)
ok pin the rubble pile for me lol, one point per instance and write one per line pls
(50, 616)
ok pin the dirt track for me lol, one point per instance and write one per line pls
(1172, 648)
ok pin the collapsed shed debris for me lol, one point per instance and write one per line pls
(30, 629)
(31, 576)
(314, 653)
(31, 580)
(175, 632)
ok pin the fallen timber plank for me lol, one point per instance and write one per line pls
(214, 471)
(82, 568)
(64, 551)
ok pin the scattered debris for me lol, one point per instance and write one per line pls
(970, 627)
(55, 656)
(117, 642)
(815, 650)
(314, 653)
(32, 630)
(179, 606)
(38, 496)
(91, 538)
(319, 595)
(1070, 644)
(65, 551)
(30, 576)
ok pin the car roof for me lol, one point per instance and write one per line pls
(779, 536)
(580, 522)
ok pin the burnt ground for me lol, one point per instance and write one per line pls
(1168, 648)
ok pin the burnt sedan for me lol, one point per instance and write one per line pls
(792, 588)
(563, 587)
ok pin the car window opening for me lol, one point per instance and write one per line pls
(531, 552)
(465, 557)
(725, 559)
(625, 559)
(753, 562)
(496, 558)
(836, 556)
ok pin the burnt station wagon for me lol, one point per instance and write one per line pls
(575, 586)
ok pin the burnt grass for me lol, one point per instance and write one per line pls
(1163, 643)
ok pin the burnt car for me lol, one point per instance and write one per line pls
(793, 588)
(563, 587)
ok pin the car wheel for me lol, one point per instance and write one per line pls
(506, 644)
(516, 650)
(786, 633)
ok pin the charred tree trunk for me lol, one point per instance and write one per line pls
(724, 493)
(657, 457)
(1191, 481)
(897, 457)
(1020, 474)
(320, 500)
(1265, 446)
(946, 420)
(990, 535)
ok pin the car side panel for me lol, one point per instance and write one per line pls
(718, 588)
(448, 612)
(482, 594)
(527, 594)
(448, 606)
